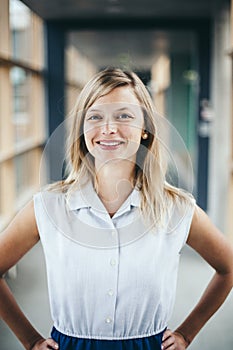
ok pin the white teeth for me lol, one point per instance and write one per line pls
(109, 143)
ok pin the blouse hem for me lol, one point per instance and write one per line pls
(100, 337)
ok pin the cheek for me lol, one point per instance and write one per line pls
(88, 136)
(134, 134)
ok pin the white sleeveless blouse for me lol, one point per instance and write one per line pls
(109, 278)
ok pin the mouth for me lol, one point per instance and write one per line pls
(110, 144)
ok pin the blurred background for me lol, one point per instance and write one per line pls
(182, 50)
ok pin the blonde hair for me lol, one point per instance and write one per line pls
(157, 195)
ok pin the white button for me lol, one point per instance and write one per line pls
(113, 233)
(113, 262)
(108, 320)
(110, 292)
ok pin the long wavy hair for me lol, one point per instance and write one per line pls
(157, 195)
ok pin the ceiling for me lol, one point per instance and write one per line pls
(123, 45)
(86, 9)
(134, 49)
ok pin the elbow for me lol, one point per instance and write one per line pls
(227, 277)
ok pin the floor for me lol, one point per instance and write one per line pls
(29, 288)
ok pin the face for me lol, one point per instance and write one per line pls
(113, 126)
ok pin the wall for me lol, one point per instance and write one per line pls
(220, 129)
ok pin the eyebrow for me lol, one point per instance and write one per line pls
(117, 110)
(93, 110)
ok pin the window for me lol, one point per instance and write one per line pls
(22, 114)
(21, 82)
(20, 31)
(24, 180)
(79, 69)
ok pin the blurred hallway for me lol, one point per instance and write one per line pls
(30, 290)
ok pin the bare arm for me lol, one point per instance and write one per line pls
(213, 246)
(19, 237)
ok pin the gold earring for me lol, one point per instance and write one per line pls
(145, 136)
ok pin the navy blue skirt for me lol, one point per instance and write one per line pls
(72, 343)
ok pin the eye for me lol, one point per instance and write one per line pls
(124, 116)
(94, 117)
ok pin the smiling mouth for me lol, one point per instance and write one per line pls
(110, 143)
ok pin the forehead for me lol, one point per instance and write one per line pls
(118, 100)
(123, 94)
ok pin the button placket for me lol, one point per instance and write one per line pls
(108, 320)
(111, 291)
(113, 262)
(114, 233)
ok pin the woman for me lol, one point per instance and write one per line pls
(112, 233)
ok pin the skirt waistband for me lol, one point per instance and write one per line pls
(67, 342)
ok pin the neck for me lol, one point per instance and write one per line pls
(114, 183)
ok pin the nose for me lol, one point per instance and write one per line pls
(109, 128)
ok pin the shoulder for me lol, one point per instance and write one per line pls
(24, 219)
(201, 225)
(181, 210)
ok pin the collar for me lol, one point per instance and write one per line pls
(86, 197)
